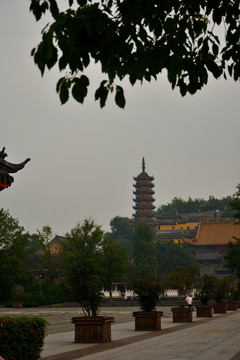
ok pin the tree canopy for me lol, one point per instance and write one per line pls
(170, 255)
(138, 39)
(13, 255)
(143, 247)
(121, 231)
(195, 205)
(82, 260)
(116, 265)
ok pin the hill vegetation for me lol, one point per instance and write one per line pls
(198, 205)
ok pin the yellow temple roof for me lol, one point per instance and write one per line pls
(215, 232)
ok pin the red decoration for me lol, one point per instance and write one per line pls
(3, 186)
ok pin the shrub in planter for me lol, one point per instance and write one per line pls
(220, 294)
(22, 337)
(232, 293)
(182, 278)
(221, 290)
(204, 292)
(147, 287)
(84, 265)
(205, 288)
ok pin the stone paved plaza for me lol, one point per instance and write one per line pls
(216, 338)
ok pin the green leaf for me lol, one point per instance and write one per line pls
(119, 97)
(215, 49)
(79, 90)
(182, 86)
(84, 80)
(60, 83)
(62, 63)
(77, 94)
(38, 59)
(54, 8)
(82, 2)
(37, 9)
(217, 16)
(101, 94)
(147, 76)
(64, 94)
(213, 67)
(236, 73)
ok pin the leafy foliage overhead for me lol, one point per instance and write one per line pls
(138, 39)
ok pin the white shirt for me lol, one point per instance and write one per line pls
(189, 300)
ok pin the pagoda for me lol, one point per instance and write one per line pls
(6, 167)
(144, 197)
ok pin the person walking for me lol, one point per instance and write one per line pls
(189, 300)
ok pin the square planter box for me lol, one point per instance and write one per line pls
(181, 315)
(92, 329)
(204, 310)
(220, 308)
(232, 305)
(147, 320)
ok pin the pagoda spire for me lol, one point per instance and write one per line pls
(143, 164)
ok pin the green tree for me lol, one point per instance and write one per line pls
(170, 255)
(205, 288)
(148, 288)
(45, 257)
(83, 264)
(183, 279)
(13, 255)
(143, 247)
(116, 266)
(121, 230)
(138, 39)
(232, 257)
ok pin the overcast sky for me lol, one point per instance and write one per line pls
(83, 159)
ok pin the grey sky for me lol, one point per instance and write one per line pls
(83, 158)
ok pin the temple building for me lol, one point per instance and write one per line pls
(144, 197)
(210, 244)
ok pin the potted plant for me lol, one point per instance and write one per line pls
(204, 292)
(84, 270)
(148, 287)
(17, 294)
(182, 278)
(233, 293)
(220, 291)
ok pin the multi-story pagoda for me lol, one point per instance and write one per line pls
(144, 197)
